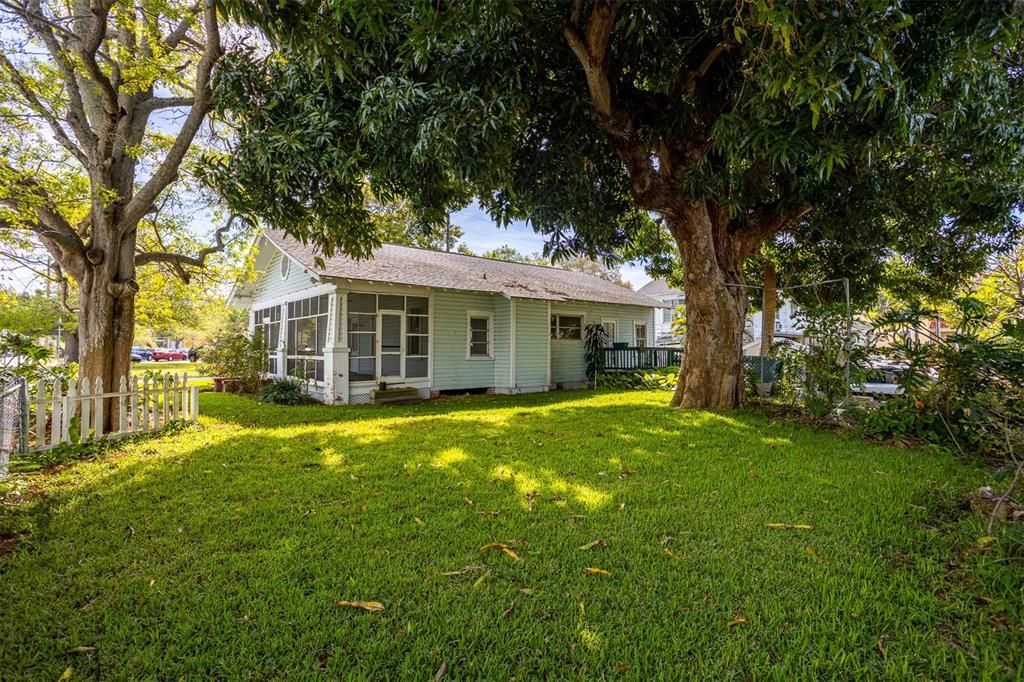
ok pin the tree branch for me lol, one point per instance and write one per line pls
(179, 259)
(167, 171)
(33, 101)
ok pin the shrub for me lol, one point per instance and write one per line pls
(657, 379)
(285, 392)
(595, 341)
(239, 356)
(965, 392)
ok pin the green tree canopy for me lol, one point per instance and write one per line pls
(876, 140)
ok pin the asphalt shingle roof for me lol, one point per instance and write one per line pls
(423, 267)
(657, 287)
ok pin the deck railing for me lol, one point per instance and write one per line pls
(635, 358)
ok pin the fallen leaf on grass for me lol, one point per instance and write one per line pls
(505, 549)
(441, 671)
(530, 497)
(371, 606)
(488, 513)
(985, 540)
(81, 650)
(738, 620)
(526, 590)
(467, 500)
(66, 675)
(506, 612)
(480, 581)
(418, 520)
(789, 526)
(669, 552)
(596, 571)
(596, 543)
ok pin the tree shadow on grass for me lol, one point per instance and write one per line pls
(222, 552)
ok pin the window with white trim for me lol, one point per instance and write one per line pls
(640, 335)
(268, 323)
(567, 327)
(479, 339)
(307, 336)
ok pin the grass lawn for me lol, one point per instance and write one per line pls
(168, 367)
(222, 551)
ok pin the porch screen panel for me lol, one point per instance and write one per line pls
(307, 336)
(268, 323)
(417, 336)
(362, 337)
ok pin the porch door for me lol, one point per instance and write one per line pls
(390, 348)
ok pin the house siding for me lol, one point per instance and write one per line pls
(532, 330)
(568, 365)
(272, 285)
(452, 370)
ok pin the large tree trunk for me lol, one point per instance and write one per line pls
(106, 314)
(712, 374)
(769, 308)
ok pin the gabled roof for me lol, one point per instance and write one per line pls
(423, 267)
(658, 287)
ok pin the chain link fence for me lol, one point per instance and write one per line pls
(13, 420)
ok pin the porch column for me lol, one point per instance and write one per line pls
(336, 351)
(282, 343)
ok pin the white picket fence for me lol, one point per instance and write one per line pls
(141, 406)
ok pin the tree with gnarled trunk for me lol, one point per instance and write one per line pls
(103, 101)
(853, 134)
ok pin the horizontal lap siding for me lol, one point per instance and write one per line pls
(451, 368)
(502, 342)
(532, 330)
(272, 286)
(568, 364)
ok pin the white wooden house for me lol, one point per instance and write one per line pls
(438, 322)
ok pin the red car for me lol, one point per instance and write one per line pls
(169, 354)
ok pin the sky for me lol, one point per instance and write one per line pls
(482, 234)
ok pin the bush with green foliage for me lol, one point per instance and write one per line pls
(285, 392)
(965, 391)
(655, 379)
(22, 357)
(817, 375)
(595, 340)
(239, 356)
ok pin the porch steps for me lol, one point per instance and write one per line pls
(395, 396)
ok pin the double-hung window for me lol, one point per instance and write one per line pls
(307, 336)
(480, 337)
(568, 327)
(268, 323)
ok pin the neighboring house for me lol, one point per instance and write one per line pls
(659, 290)
(787, 318)
(438, 322)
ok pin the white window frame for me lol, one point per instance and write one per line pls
(568, 313)
(479, 314)
(647, 339)
(612, 336)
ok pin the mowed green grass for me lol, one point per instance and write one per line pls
(221, 552)
(168, 367)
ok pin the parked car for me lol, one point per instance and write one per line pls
(169, 354)
(143, 353)
(193, 354)
(136, 356)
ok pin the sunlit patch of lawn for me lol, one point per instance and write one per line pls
(222, 551)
